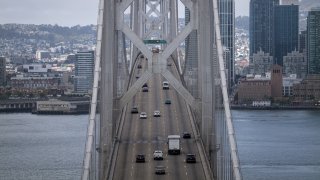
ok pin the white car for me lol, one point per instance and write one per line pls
(158, 155)
(156, 113)
(143, 115)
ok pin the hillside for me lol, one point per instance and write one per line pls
(50, 33)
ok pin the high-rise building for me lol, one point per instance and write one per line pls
(226, 18)
(313, 28)
(286, 31)
(261, 26)
(84, 71)
(191, 69)
(302, 41)
(2, 71)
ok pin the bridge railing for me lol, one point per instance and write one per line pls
(227, 159)
(90, 162)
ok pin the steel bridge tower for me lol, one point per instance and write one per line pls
(124, 30)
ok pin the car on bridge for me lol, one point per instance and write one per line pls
(145, 89)
(134, 110)
(167, 101)
(140, 158)
(165, 85)
(155, 50)
(186, 135)
(191, 158)
(160, 170)
(158, 155)
(156, 113)
(143, 115)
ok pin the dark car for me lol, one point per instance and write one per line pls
(139, 66)
(141, 56)
(140, 158)
(191, 158)
(145, 85)
(160, 170)
(186, 135)
(134, 110)
(167, 101)
(145, 89)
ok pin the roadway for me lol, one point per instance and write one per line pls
(143, 136)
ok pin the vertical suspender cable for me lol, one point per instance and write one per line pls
(231, 135)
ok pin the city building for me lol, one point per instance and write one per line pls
(276, 81)
(295, 63)
(288, 82)
(261, 26)
(3, 71)
(37, 68)
(254, 89)
(191, 49)
(313, 28)
(303, 41)
(42, 55)
(226, 14)
(227, 26)
(289, 2)
(34, 82)
(308, 89)
(261, 63)
(84, 71)
(286, 31)
(227, 55)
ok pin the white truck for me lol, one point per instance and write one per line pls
(174, 144)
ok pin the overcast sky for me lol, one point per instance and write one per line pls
(64, 12)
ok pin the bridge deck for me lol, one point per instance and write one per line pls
(143, 136)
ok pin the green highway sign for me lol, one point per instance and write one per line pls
(155, 41)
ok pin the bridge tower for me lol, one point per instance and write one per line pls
(125, 30)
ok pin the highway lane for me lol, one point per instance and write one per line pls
(143, 136)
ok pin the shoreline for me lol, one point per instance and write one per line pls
(239, 107)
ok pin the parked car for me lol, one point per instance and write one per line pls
(140, 158)
(191, 158)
